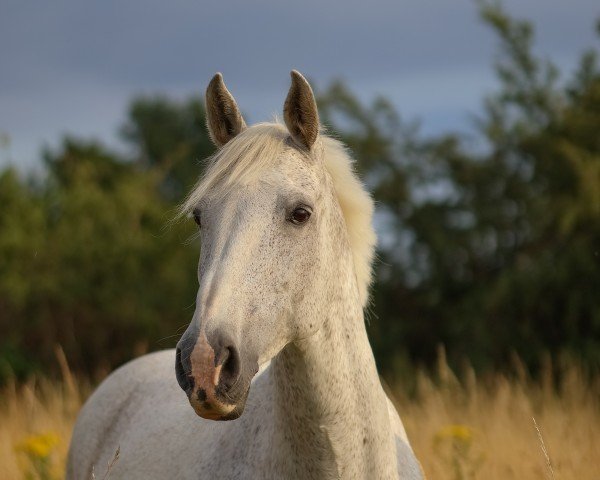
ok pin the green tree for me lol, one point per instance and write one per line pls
(89, 257)
(91, 262)
(495, 251)
(169, 136)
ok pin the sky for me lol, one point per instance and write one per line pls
(71, 66)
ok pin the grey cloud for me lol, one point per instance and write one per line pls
(431, 57)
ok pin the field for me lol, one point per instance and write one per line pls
(477, 428)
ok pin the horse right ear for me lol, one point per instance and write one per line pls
(300, 112)
(223, 116)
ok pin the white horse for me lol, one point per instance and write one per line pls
(285, 266)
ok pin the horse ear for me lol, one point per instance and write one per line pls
(300, 112)
(223, 116)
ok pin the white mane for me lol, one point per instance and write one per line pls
(252, 150)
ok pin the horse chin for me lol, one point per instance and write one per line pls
(234, 414)
(220, 417)
(221, 411)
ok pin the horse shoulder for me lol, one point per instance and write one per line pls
(106, 414)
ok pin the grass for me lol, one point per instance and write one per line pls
(498, 427)
(505, 427)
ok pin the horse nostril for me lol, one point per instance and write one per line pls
(182, 377)
(230, 371)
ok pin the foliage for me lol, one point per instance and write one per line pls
(170, 137)
(89, 259)
(489, 249)
(495, 248)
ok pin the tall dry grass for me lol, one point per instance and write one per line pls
(36, 419)
(505, 427)
(480, 428)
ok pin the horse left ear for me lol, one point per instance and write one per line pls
(223, 116)
(300, 112)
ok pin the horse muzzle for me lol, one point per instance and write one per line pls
(210, 371)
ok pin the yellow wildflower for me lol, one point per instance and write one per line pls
(462, 433)
(38, 446)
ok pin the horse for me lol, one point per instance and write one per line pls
(275, 364)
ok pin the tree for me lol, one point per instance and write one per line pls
(170, 137)
(491, 252)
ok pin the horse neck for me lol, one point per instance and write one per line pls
(331, 411)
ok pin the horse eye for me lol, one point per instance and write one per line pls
(299, 216)
(197, 218)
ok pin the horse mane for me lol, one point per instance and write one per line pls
(250, 152)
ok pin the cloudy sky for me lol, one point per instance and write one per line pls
(72, 65)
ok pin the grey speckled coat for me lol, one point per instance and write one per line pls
(281, 286)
